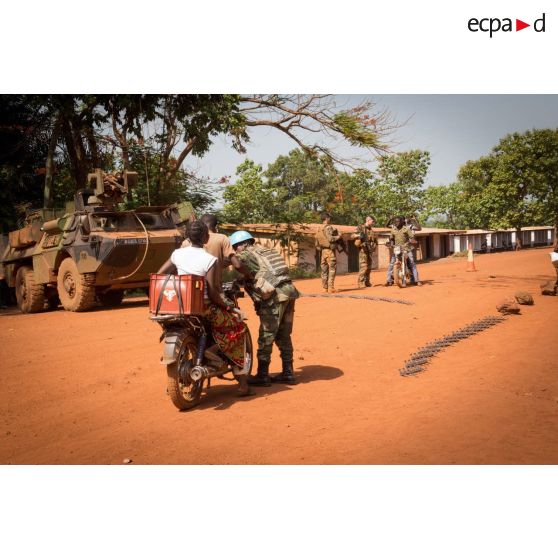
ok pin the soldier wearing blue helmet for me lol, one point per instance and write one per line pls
(274, 295)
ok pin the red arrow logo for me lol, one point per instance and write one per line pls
(519, 25)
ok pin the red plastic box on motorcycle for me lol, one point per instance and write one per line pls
(176, 294)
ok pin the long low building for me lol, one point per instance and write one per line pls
(502, 239)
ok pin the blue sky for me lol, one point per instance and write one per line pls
(453, 128)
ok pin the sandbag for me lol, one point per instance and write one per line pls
(508, 307)
(548, 288)
(523, 297)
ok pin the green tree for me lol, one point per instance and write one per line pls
(397, 188)
(516, 184)
(304, 183)
(22, 154)
(542, 149)
(249, 199)
(354, 197)
(156, 134)
(446, 207)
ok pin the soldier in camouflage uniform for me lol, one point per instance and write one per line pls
(274, 298)
(326, 239)
(366, 242)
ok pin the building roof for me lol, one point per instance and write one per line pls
(434, 230)
(486, 231)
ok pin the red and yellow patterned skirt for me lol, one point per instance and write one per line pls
(229, 332)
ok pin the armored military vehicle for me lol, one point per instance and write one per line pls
(90, 252)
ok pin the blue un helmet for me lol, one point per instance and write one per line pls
(240, 236)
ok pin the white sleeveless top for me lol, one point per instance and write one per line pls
(192, 261)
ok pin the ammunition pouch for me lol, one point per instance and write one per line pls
(272, 273)
(263, 288)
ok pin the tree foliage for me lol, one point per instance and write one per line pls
(398, 185)
(295, 188)
(516, 184)
(156, 134)
(22, 153)
(447, 207)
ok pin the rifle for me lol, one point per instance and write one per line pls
(342, 245)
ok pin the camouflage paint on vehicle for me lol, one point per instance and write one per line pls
(112, 249)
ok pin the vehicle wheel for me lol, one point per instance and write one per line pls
(249, 352)
(184, 392)
(111, 298)
(398, 275)
(76, 290)
(30, 296)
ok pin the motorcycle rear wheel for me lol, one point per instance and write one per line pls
(184, 392)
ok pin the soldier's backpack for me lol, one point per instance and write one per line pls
(272, 273)
(321, 238)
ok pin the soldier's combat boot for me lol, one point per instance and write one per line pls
(262, 377)
(287, 375)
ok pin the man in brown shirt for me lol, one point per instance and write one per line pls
(219, 246)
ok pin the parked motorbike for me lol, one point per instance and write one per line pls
(401, 271)
(189, 363)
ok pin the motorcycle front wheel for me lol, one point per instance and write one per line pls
(184, 392)
(399, 275)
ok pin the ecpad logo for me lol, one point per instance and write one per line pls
(493, 25)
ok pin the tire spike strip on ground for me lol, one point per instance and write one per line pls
(365, 297)
(421, 358)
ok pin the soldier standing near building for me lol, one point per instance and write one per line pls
(274, 295)
(366, 242)
(326, 239)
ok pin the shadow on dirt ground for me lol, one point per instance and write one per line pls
(126, 303)
(222, 397)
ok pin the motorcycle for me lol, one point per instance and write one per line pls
(189, 364)
(401, 271)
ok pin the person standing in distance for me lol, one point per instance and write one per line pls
(366, 242)
(326, 239)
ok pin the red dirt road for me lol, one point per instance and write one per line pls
(88, 388)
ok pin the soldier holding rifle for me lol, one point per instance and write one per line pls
(366, 242)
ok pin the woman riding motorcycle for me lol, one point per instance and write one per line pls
(229, 331)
